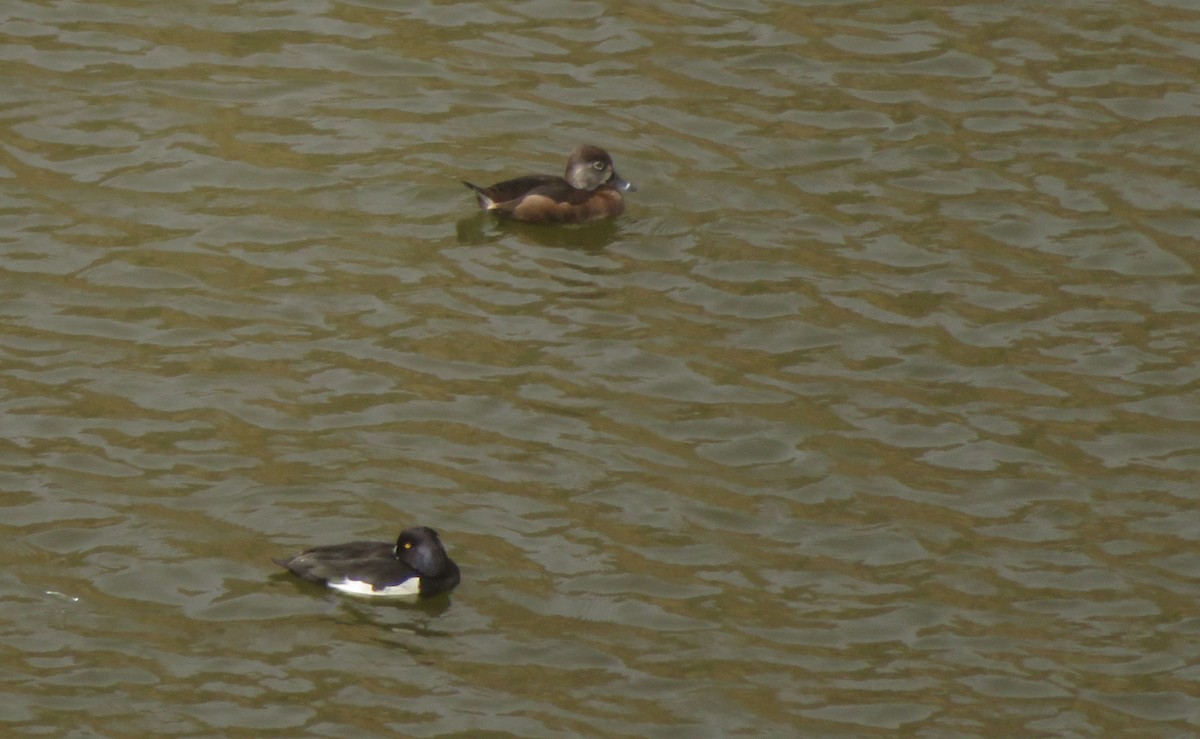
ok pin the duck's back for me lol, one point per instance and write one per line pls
(364, 560)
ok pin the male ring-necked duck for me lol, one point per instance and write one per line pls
(416, 565)
(590, 190)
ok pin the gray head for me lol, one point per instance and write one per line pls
(590, 167)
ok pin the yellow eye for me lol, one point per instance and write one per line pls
(408, 545)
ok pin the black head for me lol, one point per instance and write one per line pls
(421, 549)
(590, 167)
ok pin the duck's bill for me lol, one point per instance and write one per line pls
(621, 183)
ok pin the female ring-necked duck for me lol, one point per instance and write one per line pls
(590, 190)
(416, 565)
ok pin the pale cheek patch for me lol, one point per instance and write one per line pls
(411, 586)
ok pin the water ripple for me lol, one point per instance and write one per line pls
(873, 409)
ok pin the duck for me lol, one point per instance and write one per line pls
(416, 565)
(589, 190)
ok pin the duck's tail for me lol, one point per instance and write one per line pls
(485, 202)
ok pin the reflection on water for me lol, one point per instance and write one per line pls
(872, 413)
(590, 238)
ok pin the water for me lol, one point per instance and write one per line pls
(874, 414)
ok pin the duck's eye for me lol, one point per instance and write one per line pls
(598, 165)
(408, 545)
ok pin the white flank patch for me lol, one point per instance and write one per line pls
(411, 586)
